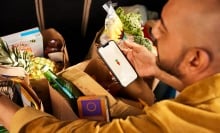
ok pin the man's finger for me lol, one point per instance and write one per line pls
(132, 45)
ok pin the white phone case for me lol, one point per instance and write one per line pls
(117, 63)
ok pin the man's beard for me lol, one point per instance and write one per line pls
(171, 69)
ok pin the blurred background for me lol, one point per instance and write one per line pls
(67, 17)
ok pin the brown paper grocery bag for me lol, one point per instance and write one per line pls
(50, 34)
(60, 107)
(89, 86)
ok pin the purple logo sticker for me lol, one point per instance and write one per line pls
(91, 107)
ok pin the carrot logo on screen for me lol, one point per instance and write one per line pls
(117, 61)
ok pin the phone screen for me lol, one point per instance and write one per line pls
(118, 63)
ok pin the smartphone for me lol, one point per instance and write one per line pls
(117, 63)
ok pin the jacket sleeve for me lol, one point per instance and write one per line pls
(33, 121)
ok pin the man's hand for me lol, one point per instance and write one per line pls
(143, 60)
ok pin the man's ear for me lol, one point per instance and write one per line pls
(195, 61)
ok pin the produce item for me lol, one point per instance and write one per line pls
(14, 56)
(132, 26)
(17, 57)
(132, 23)
(113, 25)
(123, 25)
(36, 64)
(52, 46)
(143, 41)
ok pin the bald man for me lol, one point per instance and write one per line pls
(187, 37)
